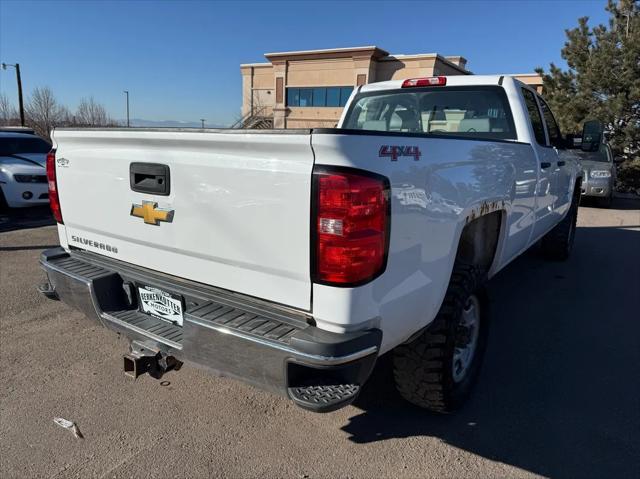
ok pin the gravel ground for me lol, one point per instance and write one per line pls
(559, 394)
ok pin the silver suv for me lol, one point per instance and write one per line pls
(599, 174)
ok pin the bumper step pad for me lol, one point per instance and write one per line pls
(324, 398)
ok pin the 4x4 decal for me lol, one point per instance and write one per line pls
(395, 152)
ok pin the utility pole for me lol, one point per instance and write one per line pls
(20, 102)
(127, 93)
(202, 120)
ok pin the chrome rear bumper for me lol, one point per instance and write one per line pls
(267, 345)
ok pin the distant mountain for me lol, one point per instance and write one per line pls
(168, 124)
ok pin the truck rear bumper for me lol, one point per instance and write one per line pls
(267, 345)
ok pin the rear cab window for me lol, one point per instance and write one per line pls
(555, 137)
(534, 116)
(480, 112)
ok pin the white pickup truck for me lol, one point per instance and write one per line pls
(293, 259)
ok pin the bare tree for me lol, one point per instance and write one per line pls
(92, 113)
(44, 112)
(8, 113)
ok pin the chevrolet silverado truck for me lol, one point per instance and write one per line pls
(294, 259)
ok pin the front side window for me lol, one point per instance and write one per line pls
(476, 112)
(555, 138)
(534, 116)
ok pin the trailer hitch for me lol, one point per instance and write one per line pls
(143, 359)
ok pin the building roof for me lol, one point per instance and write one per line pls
(371, 49)
(457, 62)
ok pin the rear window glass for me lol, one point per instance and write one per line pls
(476, 112)
(13, 145)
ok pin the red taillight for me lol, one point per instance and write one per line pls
(54, 200)
(427, 81)
(351, 226)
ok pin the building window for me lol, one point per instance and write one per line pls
(293, 96)
(319, 96)
(333, 96)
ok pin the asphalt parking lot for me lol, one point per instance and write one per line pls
(559, 394)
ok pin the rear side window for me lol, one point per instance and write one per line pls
(16, 145)
(534, 116)
(555, 138)
(477, 112)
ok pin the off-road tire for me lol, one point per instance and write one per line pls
(423, 367)
(557, 243)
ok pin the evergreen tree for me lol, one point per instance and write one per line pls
(603, 77)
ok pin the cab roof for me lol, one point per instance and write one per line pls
(454, 80)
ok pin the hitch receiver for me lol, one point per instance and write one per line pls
(135, 366)
(144, 359)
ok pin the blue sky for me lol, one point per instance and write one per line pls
(180, 59)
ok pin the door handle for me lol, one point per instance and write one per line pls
(545, 164)
(562, 163)
(150, 178)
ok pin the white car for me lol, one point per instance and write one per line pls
(293, 259)
(23, 179)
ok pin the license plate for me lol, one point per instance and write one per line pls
(161, 304)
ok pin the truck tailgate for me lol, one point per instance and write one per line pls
(237, 213)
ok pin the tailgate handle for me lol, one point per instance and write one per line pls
(150, 178)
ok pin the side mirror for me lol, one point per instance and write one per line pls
(592, 133)
(618, 159)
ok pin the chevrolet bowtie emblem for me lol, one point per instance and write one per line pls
(151, 214)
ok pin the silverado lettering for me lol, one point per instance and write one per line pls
(94, 244)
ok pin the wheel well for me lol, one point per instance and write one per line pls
(479, 240)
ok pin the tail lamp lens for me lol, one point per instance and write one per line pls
(54, 200)
(427, 81)
(351, 226)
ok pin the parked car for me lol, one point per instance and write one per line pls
(23, 179)
(599, 177)
(286, 257)
(18, 129)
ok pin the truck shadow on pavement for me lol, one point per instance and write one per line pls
(559, 393)
(619, 203)
(23, 218)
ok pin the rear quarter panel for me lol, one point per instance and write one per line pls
(452, 182)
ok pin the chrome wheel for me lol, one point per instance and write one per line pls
(466, 339)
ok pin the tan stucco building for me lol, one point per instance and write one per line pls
(306, 89)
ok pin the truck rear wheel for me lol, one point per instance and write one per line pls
(437, 370)
(557, 243)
